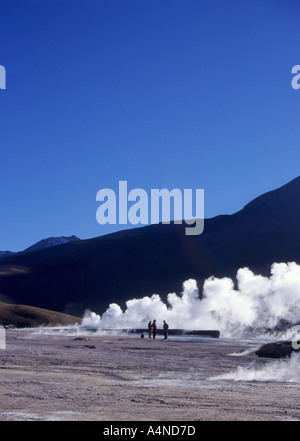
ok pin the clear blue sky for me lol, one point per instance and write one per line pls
(161, 93)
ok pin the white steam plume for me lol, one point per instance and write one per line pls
(258, 302)
(277, 370)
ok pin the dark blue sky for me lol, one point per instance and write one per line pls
(161, 93)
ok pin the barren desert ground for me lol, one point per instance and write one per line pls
(120, 378)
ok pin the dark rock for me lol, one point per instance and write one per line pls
(281, 349)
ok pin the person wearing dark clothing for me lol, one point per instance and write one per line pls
(166, 328)
(154, 328)
(150, 329)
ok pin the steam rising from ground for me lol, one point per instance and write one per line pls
(258, 302)
(278, 370)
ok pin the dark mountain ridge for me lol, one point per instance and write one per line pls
(157, 258)
(44, 243)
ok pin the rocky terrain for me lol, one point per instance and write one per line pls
(75, 377)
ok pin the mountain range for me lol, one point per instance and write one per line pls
(78, 274)
(44, 243)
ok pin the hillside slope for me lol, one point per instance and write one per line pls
(24, 316)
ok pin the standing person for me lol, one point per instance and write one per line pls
(150, 329)
(154, 328)
(166, 328)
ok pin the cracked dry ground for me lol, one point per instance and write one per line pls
(119, 378)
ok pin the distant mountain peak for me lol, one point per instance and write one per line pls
(6, 254)
(50, 242)
(42, 244)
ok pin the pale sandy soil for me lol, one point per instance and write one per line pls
(56, 377)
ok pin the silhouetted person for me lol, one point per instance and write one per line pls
(154, 328)
(150, 329)
(166, 329)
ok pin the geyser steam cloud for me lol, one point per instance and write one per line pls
(258, 302)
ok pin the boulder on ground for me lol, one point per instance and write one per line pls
(280, 349)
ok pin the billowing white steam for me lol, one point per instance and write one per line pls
(277, 370)
(258, 302)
